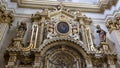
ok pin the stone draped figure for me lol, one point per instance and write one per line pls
(21, 29)
(102, 33)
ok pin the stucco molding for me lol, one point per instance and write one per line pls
(100, 7)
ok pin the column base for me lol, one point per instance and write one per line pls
(89, 66)
(10, 65)
(36, 65)
(112, 66)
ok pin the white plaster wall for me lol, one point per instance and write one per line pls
(92, 15)
(80, 1)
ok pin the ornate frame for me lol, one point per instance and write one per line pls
(61, 34)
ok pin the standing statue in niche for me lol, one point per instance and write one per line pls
(102, 34)
(21, 30)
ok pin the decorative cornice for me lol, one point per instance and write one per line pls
(100, 7)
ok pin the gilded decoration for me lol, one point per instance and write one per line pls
(113, 24)
(5, 16)
(6, 19)
(57, 39)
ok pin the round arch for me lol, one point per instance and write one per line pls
(72, 46)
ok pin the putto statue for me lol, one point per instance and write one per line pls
(102, 34)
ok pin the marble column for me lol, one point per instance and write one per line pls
(42, 29)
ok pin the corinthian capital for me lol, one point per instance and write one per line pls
(2, 8)
(36, 17)
(117, 16)
(5, 16)
(9, 17)
(112, 24)
(87, 20)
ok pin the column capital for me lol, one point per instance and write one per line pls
(113, 24)
(6, 17)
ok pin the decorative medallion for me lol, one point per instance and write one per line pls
(62, 27)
